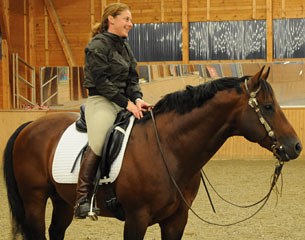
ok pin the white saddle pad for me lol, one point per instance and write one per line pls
(69, 146)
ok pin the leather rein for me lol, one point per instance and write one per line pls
(276, 147)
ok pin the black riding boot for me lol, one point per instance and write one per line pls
(84, 187)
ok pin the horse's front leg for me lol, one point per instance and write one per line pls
(172, 228)
(136, 224)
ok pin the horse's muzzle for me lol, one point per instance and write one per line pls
(287, 152)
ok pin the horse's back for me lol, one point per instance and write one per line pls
(44, 131)
(35, 146)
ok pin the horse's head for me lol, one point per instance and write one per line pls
(264, 122)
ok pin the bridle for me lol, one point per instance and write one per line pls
(276, 147)
(253, 103)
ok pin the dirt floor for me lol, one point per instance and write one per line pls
(242, 182)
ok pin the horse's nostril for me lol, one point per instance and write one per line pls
(298, 148)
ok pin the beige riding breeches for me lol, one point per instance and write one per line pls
(100, 115)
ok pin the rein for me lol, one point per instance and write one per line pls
(277, 172)
(276, 175)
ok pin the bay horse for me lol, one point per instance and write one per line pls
(191, 125)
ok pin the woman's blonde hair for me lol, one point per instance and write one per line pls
(113, 10)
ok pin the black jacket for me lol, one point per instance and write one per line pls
(110, 69)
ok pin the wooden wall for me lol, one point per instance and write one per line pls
(55, 32)
(239, 148)
(5, 96)
(205, 10)
(234, 148)
(1, 83)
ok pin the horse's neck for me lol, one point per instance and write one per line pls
(196, 136)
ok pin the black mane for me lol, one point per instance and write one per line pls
(186, 100)
(193, 97)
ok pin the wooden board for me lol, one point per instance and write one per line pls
(76, 19)
(5, 96)
(234, 148)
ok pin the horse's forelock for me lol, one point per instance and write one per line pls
(266, 89)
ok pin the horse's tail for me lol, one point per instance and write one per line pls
(14, 199)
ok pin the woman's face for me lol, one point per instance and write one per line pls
(120, 24)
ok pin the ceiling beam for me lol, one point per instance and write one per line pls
(60, 33)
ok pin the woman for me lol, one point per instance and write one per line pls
(113, 85)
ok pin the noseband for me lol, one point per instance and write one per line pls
(253, 103)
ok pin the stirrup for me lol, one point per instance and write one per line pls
(84, 209)
(94, 211)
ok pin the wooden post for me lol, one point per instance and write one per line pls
(5, 83)
(269, 30)
(253, 9)
(32, 47)
(208, 9)
(103, 5)
(46, 37)
(92, 17)
(25, 27)
(185, 32)
(4, 22)
(283, 10)
(60, 33)
(162, 10)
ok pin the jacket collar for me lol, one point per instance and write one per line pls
(115, 37)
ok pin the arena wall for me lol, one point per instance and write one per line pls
(1, 94)
(54, 33)
(234, 147)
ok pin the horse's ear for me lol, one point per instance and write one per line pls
(266, 74)
(254, 81)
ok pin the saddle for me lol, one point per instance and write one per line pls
(111, 149)
(81, 121)
(113, 140)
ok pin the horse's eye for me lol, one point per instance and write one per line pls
(268, 107)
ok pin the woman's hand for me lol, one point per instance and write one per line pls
(131, 107)
(136, 109)
(142, 105)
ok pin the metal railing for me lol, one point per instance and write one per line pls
(45, 84)
(18, 93)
